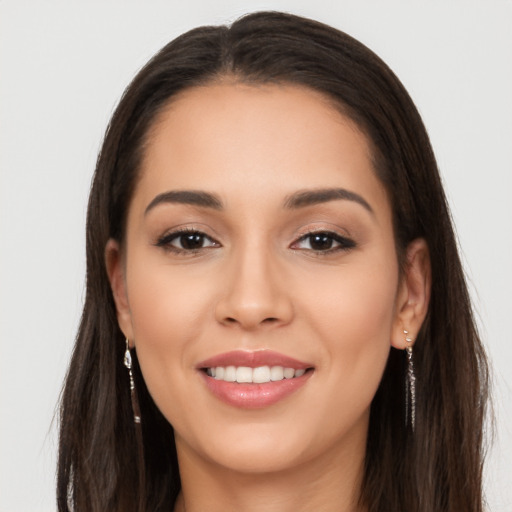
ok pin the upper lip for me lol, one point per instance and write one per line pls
(253, 359)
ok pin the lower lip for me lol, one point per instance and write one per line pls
(254, 396)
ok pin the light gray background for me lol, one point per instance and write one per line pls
(63, 67)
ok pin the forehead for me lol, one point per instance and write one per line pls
(233, 137)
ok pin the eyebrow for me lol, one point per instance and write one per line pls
(300, 199)
(306, 198)
(191, 197)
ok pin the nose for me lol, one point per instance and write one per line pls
(254, 294)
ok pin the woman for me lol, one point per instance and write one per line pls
(276, 316)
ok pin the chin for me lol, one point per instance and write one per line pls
(258, 454)
(272, 446)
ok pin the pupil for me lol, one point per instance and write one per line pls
(192, 241)
(321, 242)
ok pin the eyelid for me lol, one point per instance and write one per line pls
(344, 242)
(164, 241)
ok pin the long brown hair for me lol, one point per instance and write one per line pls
(106, 462)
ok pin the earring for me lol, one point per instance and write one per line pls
(410, 384)
(133, 393)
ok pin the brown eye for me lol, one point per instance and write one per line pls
(324, 241)
(321, 242)
(186, 241)
(190, 241)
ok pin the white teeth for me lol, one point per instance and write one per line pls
(259, 375)
(289, 373)
(230, 374)
(276, 373)
(244, 374)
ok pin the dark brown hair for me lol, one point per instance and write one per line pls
(106, 462)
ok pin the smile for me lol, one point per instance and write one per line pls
(259, 375)
(253, 380)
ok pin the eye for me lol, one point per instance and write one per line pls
(186, 241)
(323, 241)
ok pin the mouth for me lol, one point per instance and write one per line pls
(258, 375)
(252, 380)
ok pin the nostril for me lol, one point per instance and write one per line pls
(269, 320)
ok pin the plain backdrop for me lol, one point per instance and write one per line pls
(63, 68)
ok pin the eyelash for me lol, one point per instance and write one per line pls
(166, 240)
(344, 243)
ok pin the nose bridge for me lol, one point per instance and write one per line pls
(254, 293)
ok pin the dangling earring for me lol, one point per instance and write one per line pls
(410, 384)
(133, 393)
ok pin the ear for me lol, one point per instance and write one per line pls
(116, 276)
(413, 294)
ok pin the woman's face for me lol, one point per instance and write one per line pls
(259, 237)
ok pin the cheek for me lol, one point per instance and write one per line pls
(356, 300)
(352, 318)
(353, 313)
(167, 301)
(360, 308)
(167, 313)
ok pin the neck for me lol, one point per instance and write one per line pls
(331, 482)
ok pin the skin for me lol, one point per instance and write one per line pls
(259, 283)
